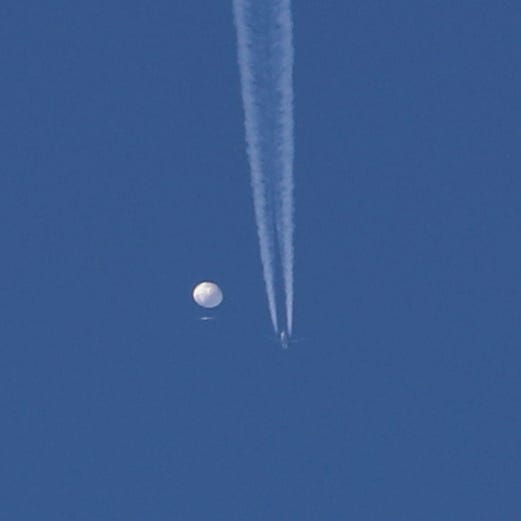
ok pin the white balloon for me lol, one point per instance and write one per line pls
(208, 294)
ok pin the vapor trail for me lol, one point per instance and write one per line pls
(265, 49)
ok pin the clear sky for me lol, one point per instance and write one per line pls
(124, 181)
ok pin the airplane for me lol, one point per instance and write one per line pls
(284, 340)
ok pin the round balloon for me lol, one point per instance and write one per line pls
(208, 294)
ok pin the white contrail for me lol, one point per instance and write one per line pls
(285, 189)
(264, 35)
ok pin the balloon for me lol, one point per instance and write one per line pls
(208, 294)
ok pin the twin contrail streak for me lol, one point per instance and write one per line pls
(265, 49)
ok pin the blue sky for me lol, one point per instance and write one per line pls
(125, 181)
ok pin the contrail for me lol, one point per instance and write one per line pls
(265, 50)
